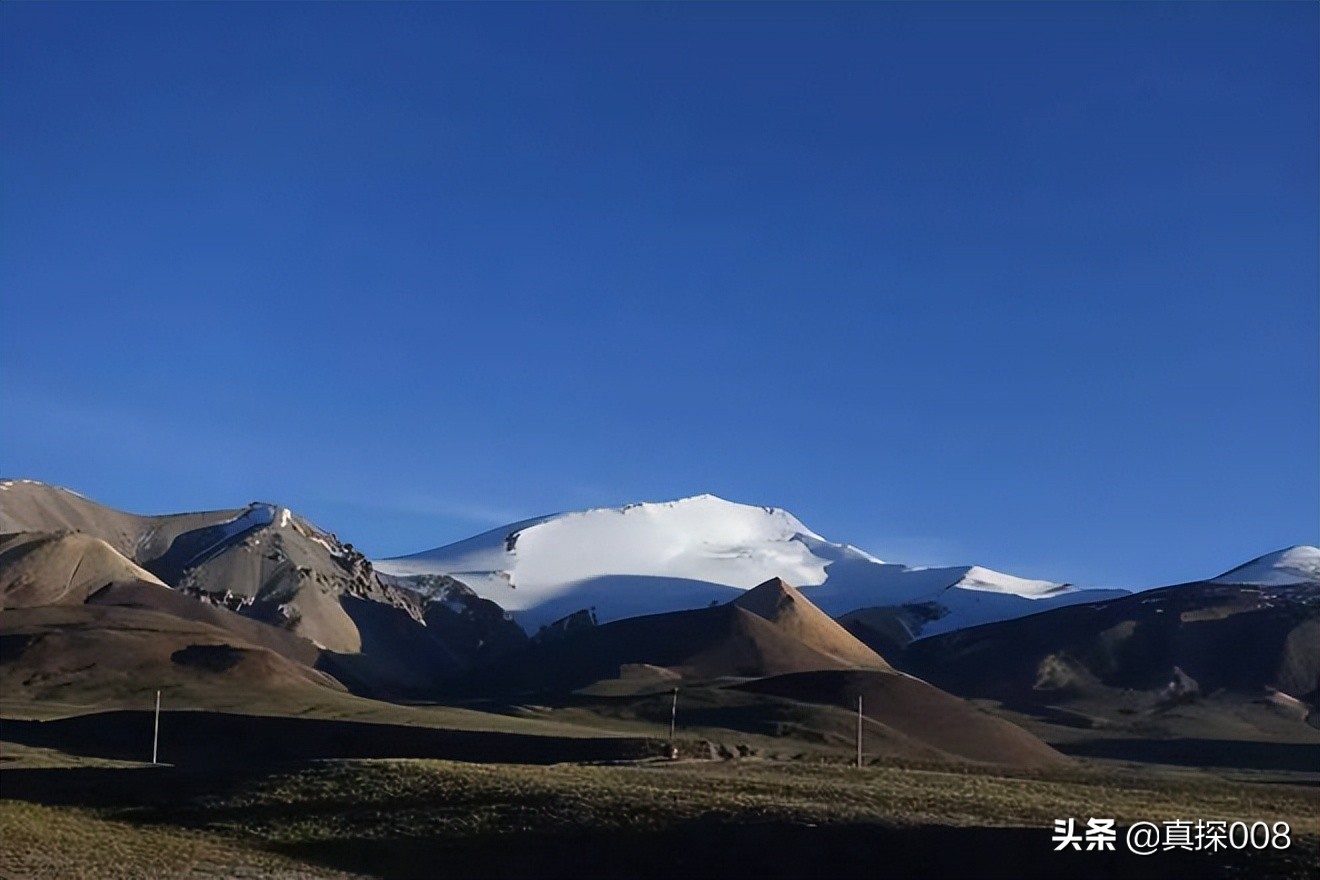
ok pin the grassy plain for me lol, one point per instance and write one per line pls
(62, 815)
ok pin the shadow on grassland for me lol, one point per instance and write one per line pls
(210, 738)
(420, 842)
(1298, 757)
(709, 849)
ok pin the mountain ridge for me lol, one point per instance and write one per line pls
(641, 558)
(266, 564)
(702, 549)
(1298, 564)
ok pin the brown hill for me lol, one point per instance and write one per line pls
(62, 569)
(31, 506)
(771, 630)
(917, 710)
(73, 569)
(260, 560)
(150, 597)
(806, 674)
(724, 640)
(99, 656)
(785, 607)
(282, 572)
(265, 563)
(376, 634)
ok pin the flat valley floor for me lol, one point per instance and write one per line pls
(69, 808)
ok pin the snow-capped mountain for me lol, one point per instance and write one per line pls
(1284, 568)
(668, 556)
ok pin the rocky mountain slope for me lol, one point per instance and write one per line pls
(1132, 660)
(262, 562)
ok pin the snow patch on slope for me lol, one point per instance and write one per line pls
(6, 485)
(1283, 568)
(220, 536)
(250, 519)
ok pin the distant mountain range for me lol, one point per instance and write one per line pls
(601, 564)
(766, 624)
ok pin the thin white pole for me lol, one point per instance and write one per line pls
(155, 736)
(673, 718)
(859, 731)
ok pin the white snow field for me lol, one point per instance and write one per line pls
(656, 557)
(1284, 568)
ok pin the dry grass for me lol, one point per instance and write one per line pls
(308, 703)
(452, 800)
(167, 823)
(61, 843)
(19, 756)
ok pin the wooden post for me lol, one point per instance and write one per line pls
(155, 735)
(859, 731)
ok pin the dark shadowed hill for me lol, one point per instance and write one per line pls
(724, 640)
(769, 630)
(805, 675)
(233, 740)
(1216, 636)
(1199, 659)
(917, 710)
(96, 656)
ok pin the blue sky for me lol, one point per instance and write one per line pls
(1033, 286)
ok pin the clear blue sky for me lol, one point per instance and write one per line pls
(1033, 286)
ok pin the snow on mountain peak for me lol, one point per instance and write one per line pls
(1299, 564)
(626, 560)
(662, 556)
(988, 580)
